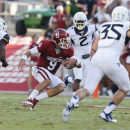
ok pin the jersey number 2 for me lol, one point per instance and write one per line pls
(107, 29)
(83, 39)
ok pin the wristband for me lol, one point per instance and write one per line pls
(77, 62)
(24, 57)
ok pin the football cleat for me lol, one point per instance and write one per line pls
(66, 79)
(34, 103)
(67, 110)
(107, 117)
(27, 102)
(76, 105)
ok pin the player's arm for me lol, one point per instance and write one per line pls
(3, 53)
(3, 43)
(96, 33)
(75, 62)
(95, 46)
(128, 34)
(26, 55)
(72, 62)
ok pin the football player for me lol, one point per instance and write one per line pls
(113, 37)
(52, 54)
(82, 35)
(4, 40)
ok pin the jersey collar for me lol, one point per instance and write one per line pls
(78, 33)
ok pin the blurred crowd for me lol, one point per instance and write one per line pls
(97, 12)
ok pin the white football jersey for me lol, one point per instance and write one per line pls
(113, 38)
(4, 36)
(82, 41)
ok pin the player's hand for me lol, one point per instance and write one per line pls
(5, 65)
(71, 62)
(21, 64)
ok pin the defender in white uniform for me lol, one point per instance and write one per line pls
(114, 36)
(4, 40)
(82, 35)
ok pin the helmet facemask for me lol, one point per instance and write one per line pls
(64, 43)
(80, 24)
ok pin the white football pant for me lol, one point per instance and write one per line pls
(40, 74)
(100, 66)
(81, 73)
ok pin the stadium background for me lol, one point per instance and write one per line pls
(11, 79)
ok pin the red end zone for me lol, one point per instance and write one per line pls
(12, 79)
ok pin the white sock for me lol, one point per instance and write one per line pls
(33, 94)
(74, 93)
(71, 79)
(75, 99)
(110, 107)
(41, 96)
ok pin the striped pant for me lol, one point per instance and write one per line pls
(41, 74)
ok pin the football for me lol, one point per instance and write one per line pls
(66, 64)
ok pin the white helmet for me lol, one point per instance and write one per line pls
(80, 16)
(3, 26)
(120, 13)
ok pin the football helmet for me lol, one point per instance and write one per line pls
(80, 16)
(120, 13)
(61, 37)
(3, 26)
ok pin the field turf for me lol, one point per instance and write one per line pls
(47, 115)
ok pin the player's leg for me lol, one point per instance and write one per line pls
(29, 81)
(78, 73)
(44, 78)
(118, 74)
(128, 67)
(93, 78)
(109, 91)
(56, 87)
(86, 68)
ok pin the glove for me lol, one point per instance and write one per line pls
(5, 65)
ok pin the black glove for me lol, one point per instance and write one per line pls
(5, 65)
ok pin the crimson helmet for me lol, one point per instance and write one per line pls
(59, 37)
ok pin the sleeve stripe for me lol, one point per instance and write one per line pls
(6, 40)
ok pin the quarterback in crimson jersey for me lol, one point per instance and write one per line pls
(50, 57)
(52, 54)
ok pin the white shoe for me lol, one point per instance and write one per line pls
(76, 105)
(67, 110)
(66, 79)
(107, 117)
(109, 92)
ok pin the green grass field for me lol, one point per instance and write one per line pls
(47, 115)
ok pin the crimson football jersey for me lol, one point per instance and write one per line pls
(50, 58)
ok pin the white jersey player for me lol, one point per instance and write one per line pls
(82, 35)
(4, 40)
(114, 36)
